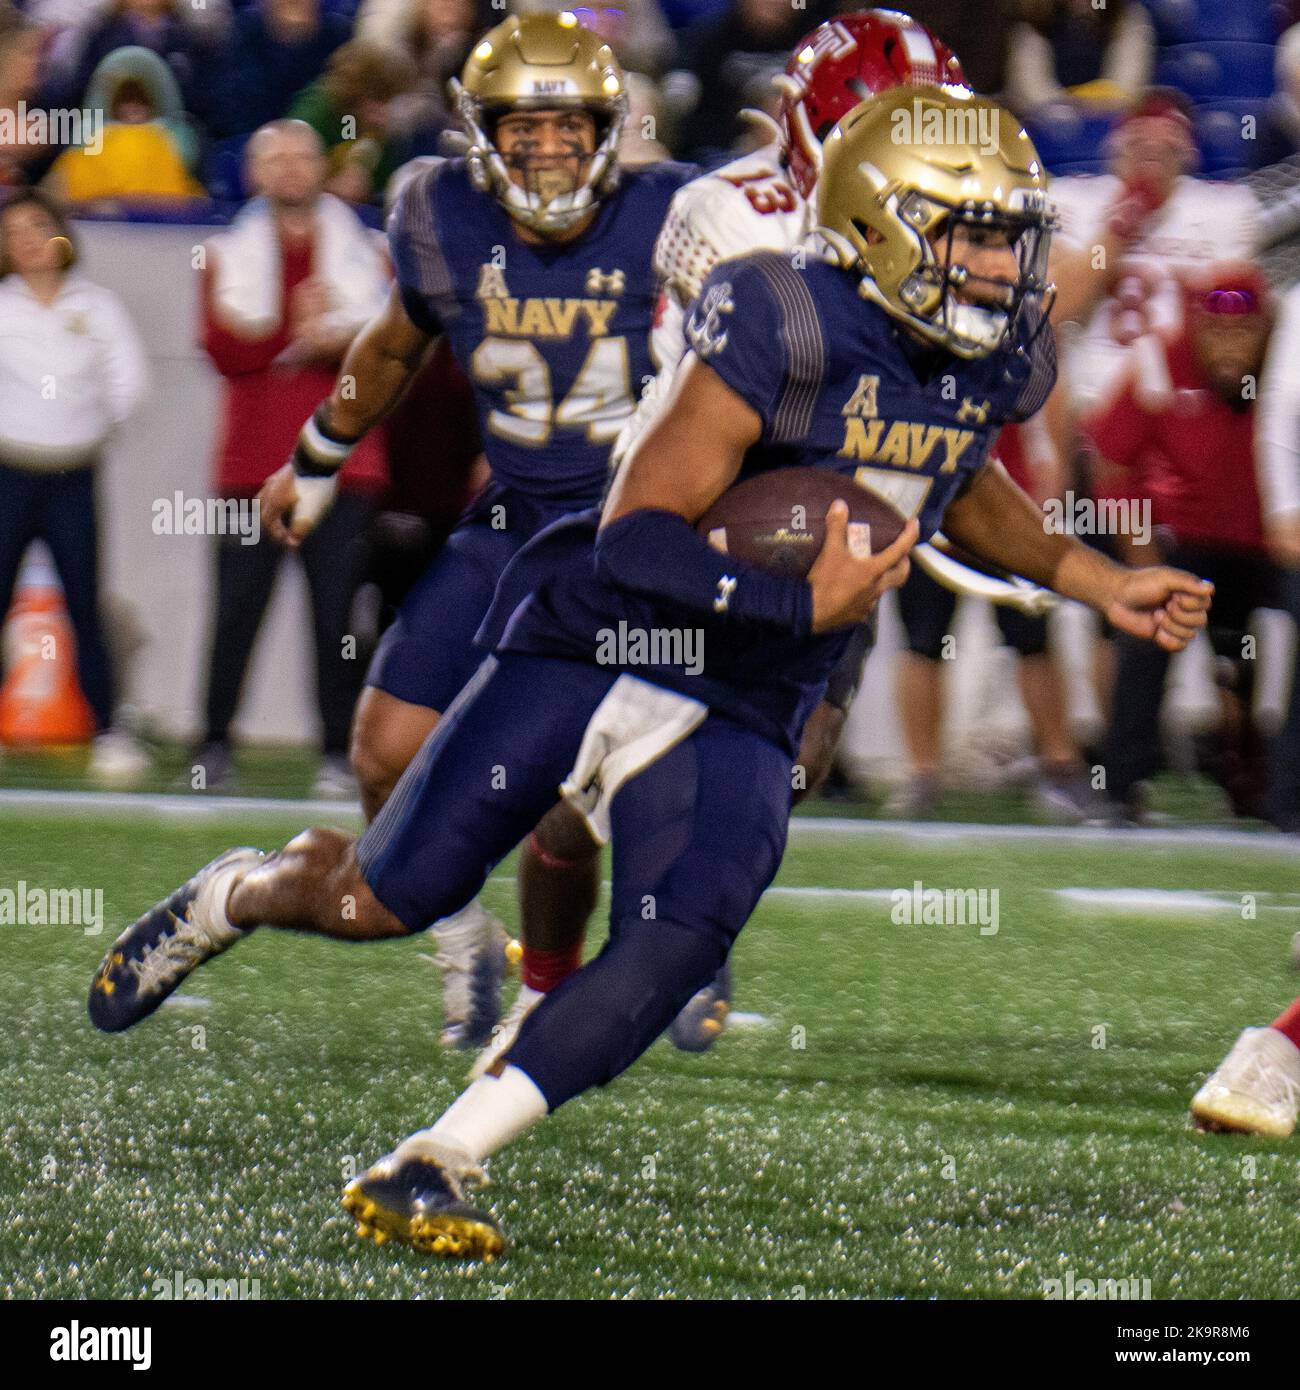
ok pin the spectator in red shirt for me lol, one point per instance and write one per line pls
(285, 290)
(1180, 423)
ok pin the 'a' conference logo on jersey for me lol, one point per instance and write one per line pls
(904, 444)
(492, 283)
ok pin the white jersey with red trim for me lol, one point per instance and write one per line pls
(747, 205)
(1201, 222)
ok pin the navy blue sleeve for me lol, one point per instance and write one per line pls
(423, 277)
(756, 325)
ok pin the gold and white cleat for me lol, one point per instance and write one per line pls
(1255, 1089)
(420, 1200)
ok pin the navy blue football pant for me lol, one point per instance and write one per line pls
(697, 837)
(428, 652)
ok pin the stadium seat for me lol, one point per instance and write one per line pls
(1218, 71)
(1078, 166)
(1221, 135)
(223, 170)
(1068, 135)
(1209, 21)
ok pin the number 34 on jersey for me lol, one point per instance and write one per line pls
(600, 396)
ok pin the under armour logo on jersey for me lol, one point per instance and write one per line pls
(492, 283)
(970, 411)
(704, 328)
(600, 283)
(726, 587)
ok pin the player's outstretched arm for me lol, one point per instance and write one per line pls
(997, 521)
(684, 463)
(379, 366)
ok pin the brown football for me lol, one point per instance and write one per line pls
(777, 520)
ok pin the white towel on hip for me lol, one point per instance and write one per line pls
(633, 726)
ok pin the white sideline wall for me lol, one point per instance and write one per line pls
(166, 579)
(168, 445)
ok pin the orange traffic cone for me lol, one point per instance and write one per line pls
(40, 700)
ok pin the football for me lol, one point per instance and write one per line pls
(777, 520)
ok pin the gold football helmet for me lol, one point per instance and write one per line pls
(542, 62)
(903, 172)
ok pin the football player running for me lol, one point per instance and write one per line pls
(934, 268)
(534, 254)
(762, 201)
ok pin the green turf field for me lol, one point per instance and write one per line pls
(927, 1111)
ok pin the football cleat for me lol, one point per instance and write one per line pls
(472, 957)
(1255, 1089)
(701, 1022)
(157, 951)
(505, 1033)
(421, 1201)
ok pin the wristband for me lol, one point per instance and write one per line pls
(318, 454)
(659, 554)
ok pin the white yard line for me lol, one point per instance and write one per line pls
(961, 832)
(199, 806)
(1100, 900)
(193, 805)
(1181, 900)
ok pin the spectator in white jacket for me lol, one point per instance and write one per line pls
(72, 369)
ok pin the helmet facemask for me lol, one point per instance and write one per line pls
(556, 194)
(930, 299)
(909, 178)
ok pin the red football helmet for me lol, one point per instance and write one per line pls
(842, 63)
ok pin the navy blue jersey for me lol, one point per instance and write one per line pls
(556, 339)
(838, 384)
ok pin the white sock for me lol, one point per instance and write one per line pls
(528, 995)
(486, 1116)
(221, 931)
(468, 921)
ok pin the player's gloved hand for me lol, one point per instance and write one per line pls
(847, 586)
(1162, 605)
(295, 497)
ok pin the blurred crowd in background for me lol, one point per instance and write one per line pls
(191, 82)
(1132, 107)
